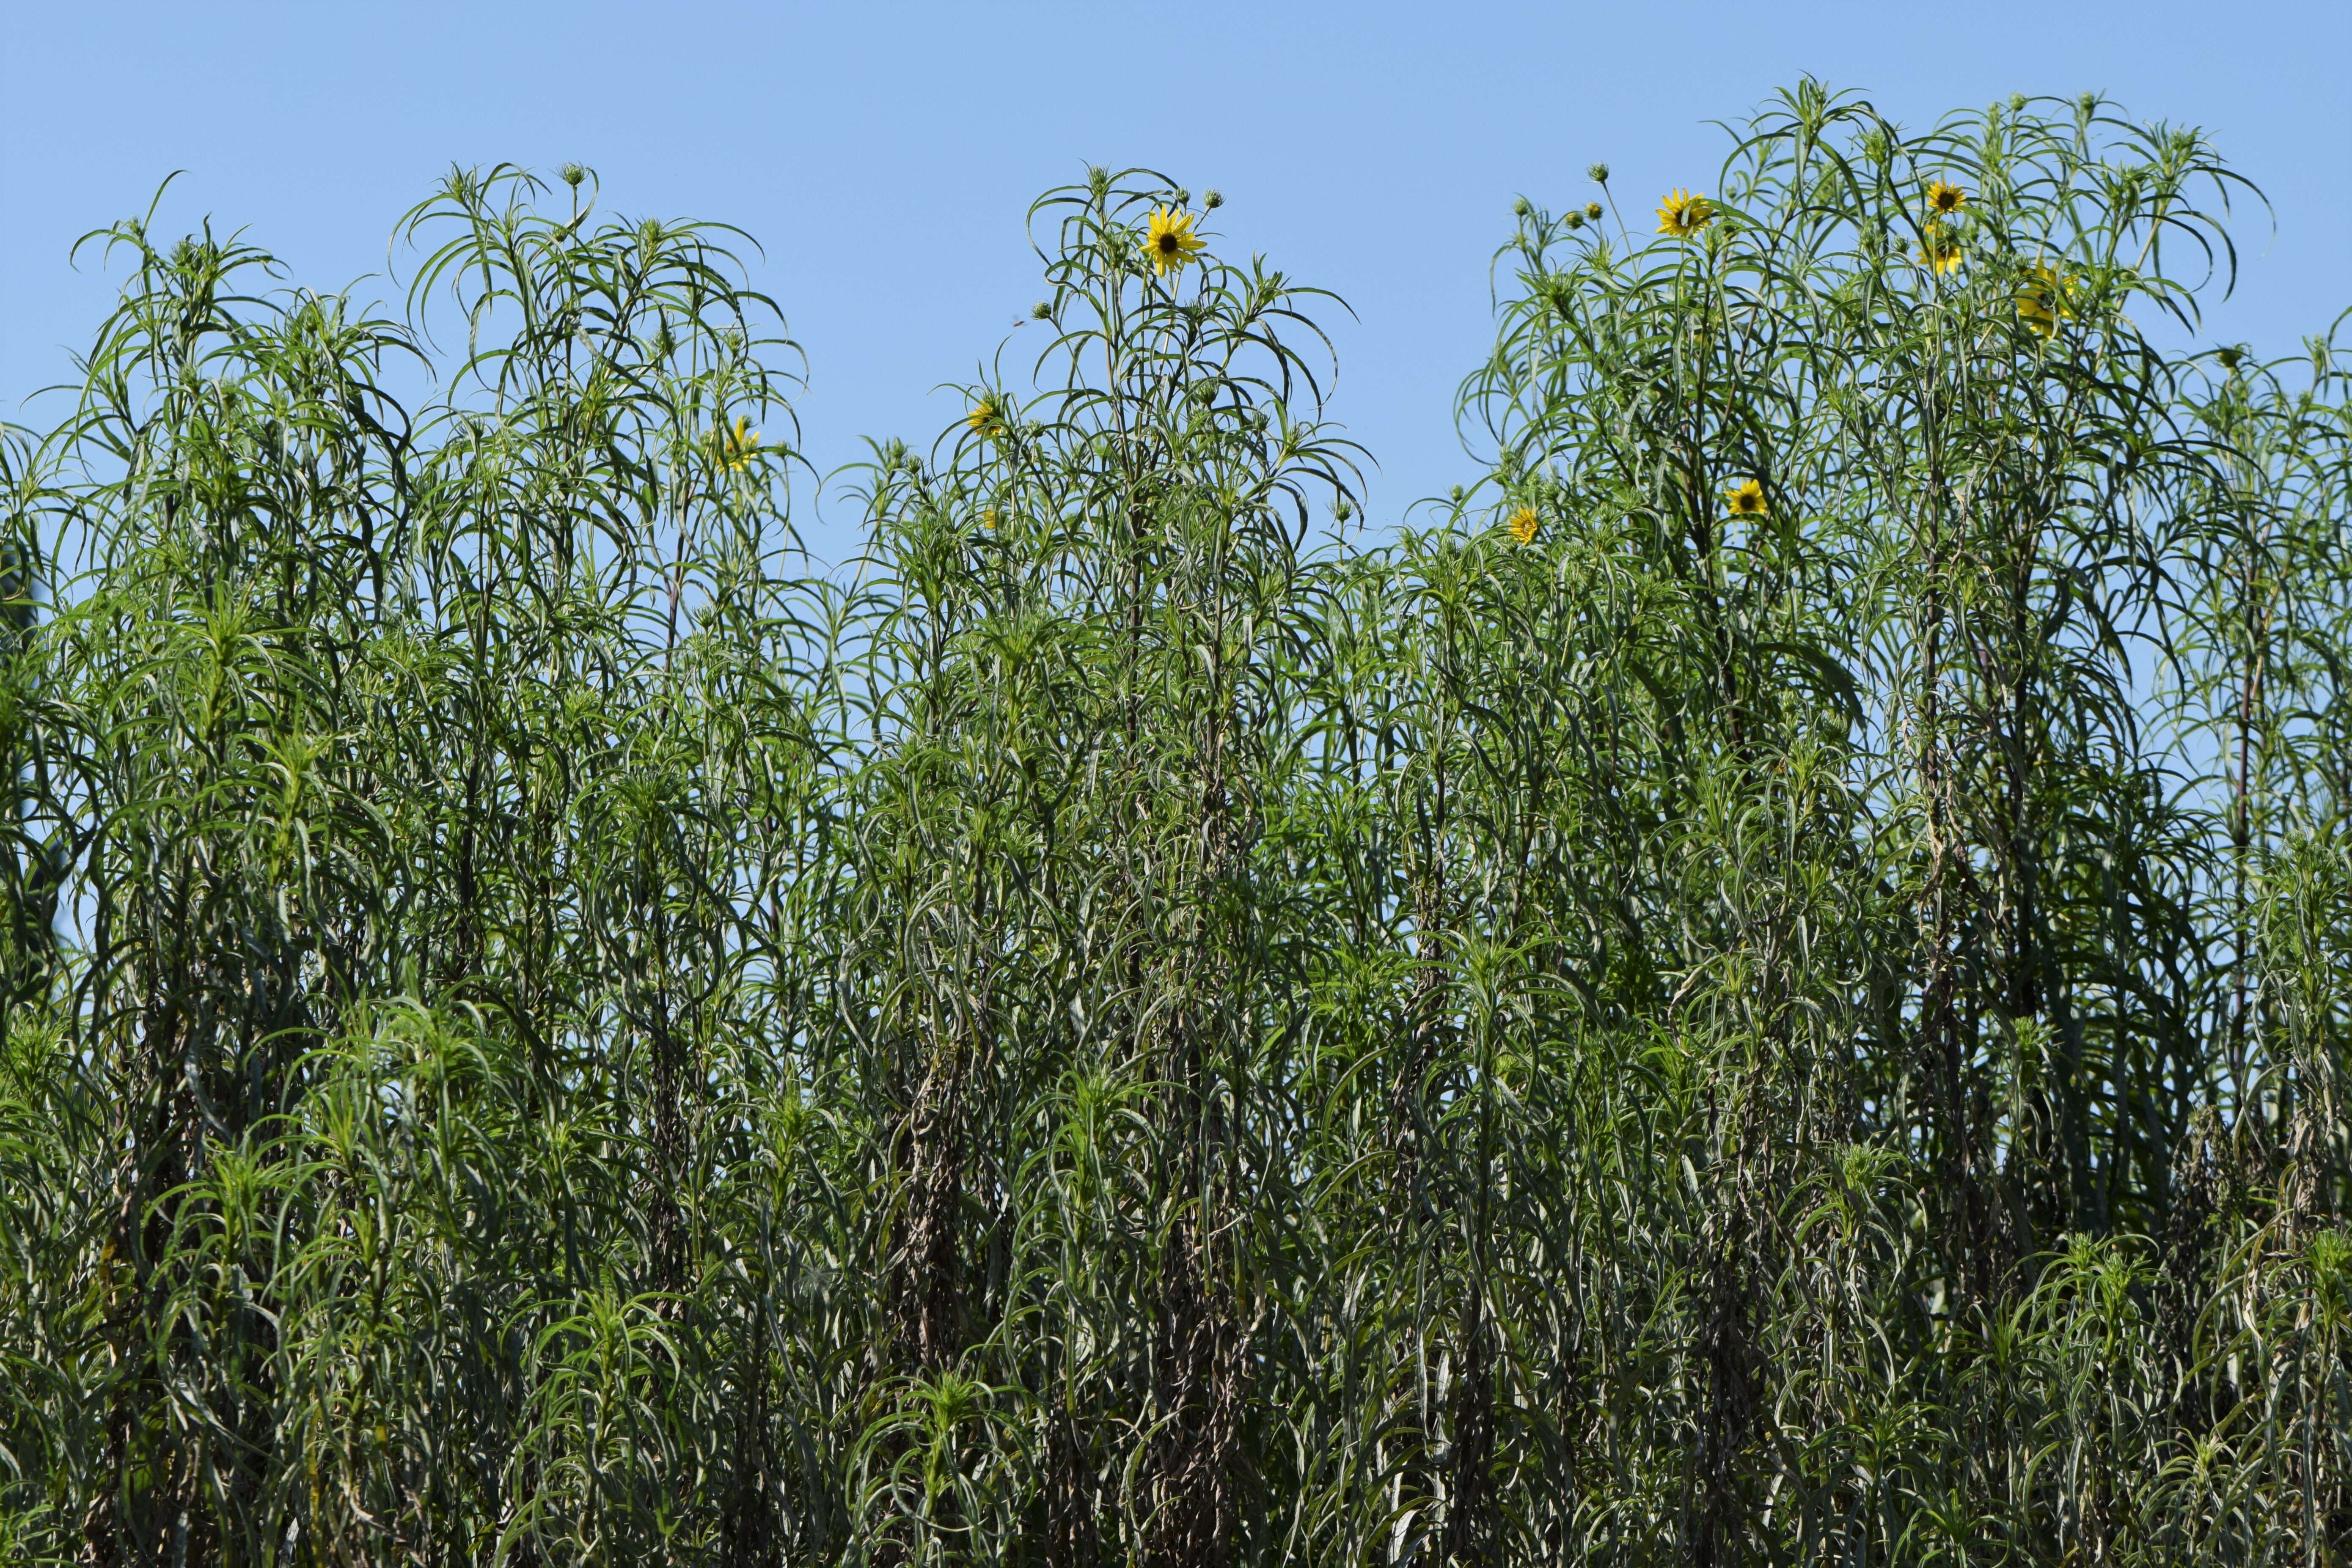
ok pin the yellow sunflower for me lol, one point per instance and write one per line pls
(986, 416)
(1171, 242)
(2041, 304)
(738, 446)
(988, 518)
(1683, 215)
(1747, 500)
(1945, 200)
(1523, 523)
(1942, 250)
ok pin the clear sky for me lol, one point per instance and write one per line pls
(884, 154)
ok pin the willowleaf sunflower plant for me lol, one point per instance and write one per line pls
(1768, 983)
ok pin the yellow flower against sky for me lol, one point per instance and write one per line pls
(737, 446)
(1682, 215)
(986, 416)
(2041, 304)
(1942, 250)
(1944, 200)
(1747, 499)
(1170, 241)
(1524, 524)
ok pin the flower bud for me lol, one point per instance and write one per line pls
(1599, 173)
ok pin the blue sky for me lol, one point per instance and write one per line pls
(884, 154)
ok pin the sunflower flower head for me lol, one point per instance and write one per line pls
(988, 518)
(1524, 524)
(1170, 241)
(1942, 249)
(987, 415)
(2041, 304)
(1746, 498)
(1944, 200)
(1681, 216)
(738, 445)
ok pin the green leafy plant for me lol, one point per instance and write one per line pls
(1768, 984)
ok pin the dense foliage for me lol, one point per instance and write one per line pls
(1773, 987)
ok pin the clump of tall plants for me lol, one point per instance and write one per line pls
(1768, 983)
